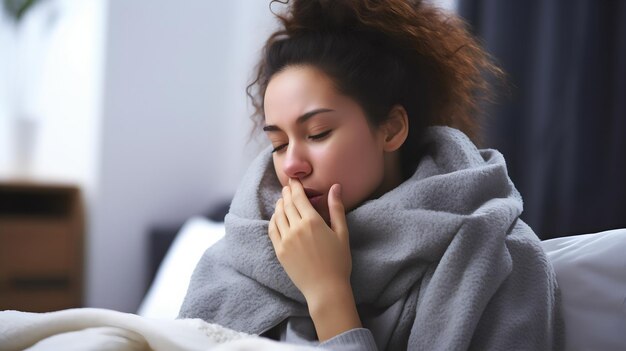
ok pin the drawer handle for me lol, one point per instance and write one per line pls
(40, 283)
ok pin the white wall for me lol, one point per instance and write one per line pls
(7, 63)
(174, 127)
(50, 99)
(448, 5)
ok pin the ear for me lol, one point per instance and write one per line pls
(395, 128)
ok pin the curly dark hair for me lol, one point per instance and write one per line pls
(382, 53)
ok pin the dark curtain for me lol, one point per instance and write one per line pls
(562, 127)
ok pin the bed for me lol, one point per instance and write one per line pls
(590, 268)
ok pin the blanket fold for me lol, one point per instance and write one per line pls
(448, 241)
(97, 329)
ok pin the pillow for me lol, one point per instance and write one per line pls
(591, 273)
(169, 287)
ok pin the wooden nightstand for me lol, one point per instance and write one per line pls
(41, 246)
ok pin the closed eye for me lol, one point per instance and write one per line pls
(320, 135)
(279, 147)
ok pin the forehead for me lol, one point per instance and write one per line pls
(296, 90)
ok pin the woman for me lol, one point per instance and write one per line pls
(373, 220)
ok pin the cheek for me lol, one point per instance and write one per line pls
(358, 166)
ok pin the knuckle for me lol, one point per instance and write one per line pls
(338, 205)
(287, 245)
(299, 192)
(295, 196)
(309, 223)
(298, 229)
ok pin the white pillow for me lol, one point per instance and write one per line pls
(591, 272)
(168, 290)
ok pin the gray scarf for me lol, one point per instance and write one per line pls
(448, 241)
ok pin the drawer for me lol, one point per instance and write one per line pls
(41, 246)
(36, 246)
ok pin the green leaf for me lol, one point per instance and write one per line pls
(17, 8)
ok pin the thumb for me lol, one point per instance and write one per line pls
(337, 211)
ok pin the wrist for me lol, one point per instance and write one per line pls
(333, 311)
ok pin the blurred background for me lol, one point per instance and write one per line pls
(141, 104)
(131, 115)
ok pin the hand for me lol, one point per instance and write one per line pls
(316, 257)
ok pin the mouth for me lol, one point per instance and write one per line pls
(311, 192)
(314, 196)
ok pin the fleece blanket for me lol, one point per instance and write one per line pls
(448, 242)
(96, 329)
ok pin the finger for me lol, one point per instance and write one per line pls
(290, 209)
(337, 212)
(281, 220)
(273, 232)
(299, 198)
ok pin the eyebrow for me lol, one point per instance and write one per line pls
(300, 120)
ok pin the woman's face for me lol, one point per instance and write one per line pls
(321, 138)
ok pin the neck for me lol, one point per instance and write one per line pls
(393, 174)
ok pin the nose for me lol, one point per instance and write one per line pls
(296, 163)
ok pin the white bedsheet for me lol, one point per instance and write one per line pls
(96, 329)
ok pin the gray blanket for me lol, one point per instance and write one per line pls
(448, 241)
